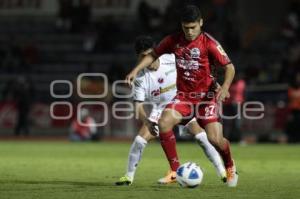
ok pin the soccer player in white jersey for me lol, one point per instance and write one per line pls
(157, 86)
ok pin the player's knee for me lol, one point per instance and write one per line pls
(146, 136)
(165, 124)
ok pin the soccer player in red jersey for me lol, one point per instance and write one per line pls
(195, 52)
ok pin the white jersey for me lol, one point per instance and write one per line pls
(157, 87)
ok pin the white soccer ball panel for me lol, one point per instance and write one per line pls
(189, 175)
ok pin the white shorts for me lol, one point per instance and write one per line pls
(155, 115)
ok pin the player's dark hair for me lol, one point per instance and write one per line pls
(190, 13)
(143, 43)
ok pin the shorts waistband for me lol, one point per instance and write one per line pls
(196, 95)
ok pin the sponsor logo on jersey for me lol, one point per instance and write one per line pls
(188, 64)
(189, 78)
(155, 92)
(195, 53)
(170, 71)
(160, 80)
(168, 88)
(221, 50)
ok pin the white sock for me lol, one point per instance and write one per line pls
(135, 155)
(210, 152)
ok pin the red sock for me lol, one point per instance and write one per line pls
(226, 155)
(168, 143)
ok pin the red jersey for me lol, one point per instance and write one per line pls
(193, 61)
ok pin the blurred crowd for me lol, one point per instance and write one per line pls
(273, 63)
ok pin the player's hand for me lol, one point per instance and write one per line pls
(222, 94)
(217, 87)
(153, 127)
(130, 78)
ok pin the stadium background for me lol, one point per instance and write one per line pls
(42, 41)
(46, 40)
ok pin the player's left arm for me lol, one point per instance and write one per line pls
(140, 90)
(221, 58)
(139, 96)
(140, 111)
(142, 116)
(223, 91)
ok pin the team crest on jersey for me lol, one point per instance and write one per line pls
(195, 53)
(160, 80)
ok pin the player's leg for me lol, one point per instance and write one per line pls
(169, 118)
(215, 136)
(208, 117)
(137, 149)
(135, 155)
(209, 150)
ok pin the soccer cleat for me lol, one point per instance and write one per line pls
(169, 178)
(125, 180)
(232, 176)
(222, 173)
(223, 177)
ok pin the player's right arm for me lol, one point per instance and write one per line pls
(165, 46)
(143, 63)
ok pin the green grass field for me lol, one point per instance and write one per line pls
(88, 170)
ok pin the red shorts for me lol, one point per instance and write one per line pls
(205, 111)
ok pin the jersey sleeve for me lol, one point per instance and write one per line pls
(217, 53)
(165, 46)
(139, 92)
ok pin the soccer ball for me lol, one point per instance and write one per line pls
(189, 175)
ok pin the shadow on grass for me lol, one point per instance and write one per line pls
(137, 187)
(57, 182)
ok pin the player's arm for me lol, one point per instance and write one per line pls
(140, 111)
(223, 92)
(164, 47)
(142, 116)
(142, 63)
(221, 58)
(140, 90)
